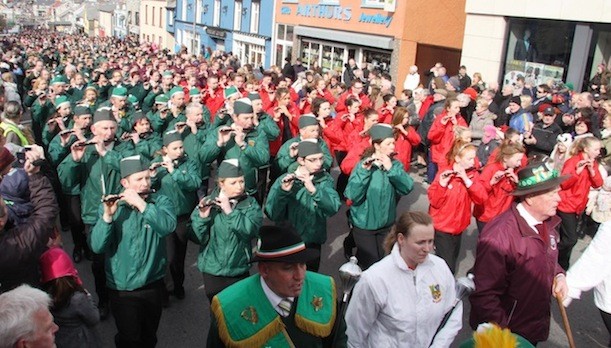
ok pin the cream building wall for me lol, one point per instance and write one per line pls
(153, 28)
(105, 23)
(486, 26)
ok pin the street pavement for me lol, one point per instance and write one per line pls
(185, 322)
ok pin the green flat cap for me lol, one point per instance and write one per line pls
(162, 99)
(170, 137)
(242, 106)
(307, 120)
(81, 110)
(381, 131)
(194, 91)
(133, 164)
(61, 100)
(254, 96)
(137, 116)
(119, 92)
(308, 147)
(103, 114)
(229, 91)
(230, 169)
(176, 90)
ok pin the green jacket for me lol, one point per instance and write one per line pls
(76, 95)
(180, 186)
(226, 239)
(134, 243)
(41, 112)
(159, 124)
(268, 126)
(88, 173)
(192, 144)
(307, 212)
(374, 194)
(148, 147)
(284, 160)
(254, 155)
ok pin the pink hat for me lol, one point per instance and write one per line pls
(55, 263)
(489, 134)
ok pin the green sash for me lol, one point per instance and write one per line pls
(247, 319)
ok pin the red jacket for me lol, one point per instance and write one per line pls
(214, 102)
(442, 137)
(354, 155)
(424, 108)
(450, 206)
(341, 102)
(275, 144)
(404, 144)
(514, 271)
(385, 115)
(340, 131)
(499, 196)
(574, 191)
(327, 95)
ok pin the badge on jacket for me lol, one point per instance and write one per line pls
(552, 242)
(435, 292)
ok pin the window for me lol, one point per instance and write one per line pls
(254, 17)
(198, 11)
(146, 14)
(171, 17)
(136, 18)
(216, 21)
(373, 3)
(538, 50)
(160, 41)
(237, 16)
(153, 16)
(183, 13)
(160, 17)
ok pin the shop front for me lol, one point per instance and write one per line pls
(325, 34)
(564, 46)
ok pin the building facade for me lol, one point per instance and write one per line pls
(105, 22)
(153, 24)
(133, 17)
(391, 35)
(540, 40)
(242, 27)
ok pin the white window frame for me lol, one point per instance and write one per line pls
(198, 11)
(170, 15)
(216, 19)
(255, 8)
(237, 16)
(372, 3)
(183, 9)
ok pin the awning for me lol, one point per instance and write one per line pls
(382, 42)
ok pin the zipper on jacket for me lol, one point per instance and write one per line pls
(513, 308)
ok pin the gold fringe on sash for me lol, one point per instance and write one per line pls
(319, 329)
(259, 339)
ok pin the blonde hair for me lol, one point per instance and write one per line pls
(526, 101)
(581, 144)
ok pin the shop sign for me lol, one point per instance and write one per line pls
(337, 13)
(216, 33)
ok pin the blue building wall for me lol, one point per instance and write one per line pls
(226, 23)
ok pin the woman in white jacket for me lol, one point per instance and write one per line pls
(401, 300)
(593, 270)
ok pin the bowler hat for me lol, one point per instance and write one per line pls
(278, 244)
(537, 177)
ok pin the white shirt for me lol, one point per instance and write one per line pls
(411, 81)
(275, 299)
(530, 220)
(593, 270)
(394, 306)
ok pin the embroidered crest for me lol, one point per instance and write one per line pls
(435, 292)
(317, 303)
(251, 142)
(552, 242)
(250, 314)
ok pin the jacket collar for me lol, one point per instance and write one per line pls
(525, 228)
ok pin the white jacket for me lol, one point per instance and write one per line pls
(393, 306)
(593, 270)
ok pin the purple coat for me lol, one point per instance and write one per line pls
(514, 272)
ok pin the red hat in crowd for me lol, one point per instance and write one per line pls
(6, 159)
(55, 263)
(471, 92)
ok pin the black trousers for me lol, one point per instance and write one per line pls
(480, 225)
(176, 247)
(447, 246)
(202, 191)
(568, 238)
(215, 284)
(314, 264)
(77, 227)
(98, 268)
(369, 245)
(342, 179)
(137, 314)
(262, 185)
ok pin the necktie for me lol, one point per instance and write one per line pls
(285, 304)
(543, 234)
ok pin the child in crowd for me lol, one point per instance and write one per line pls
(73, 309)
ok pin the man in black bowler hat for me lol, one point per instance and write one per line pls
(282, 306)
